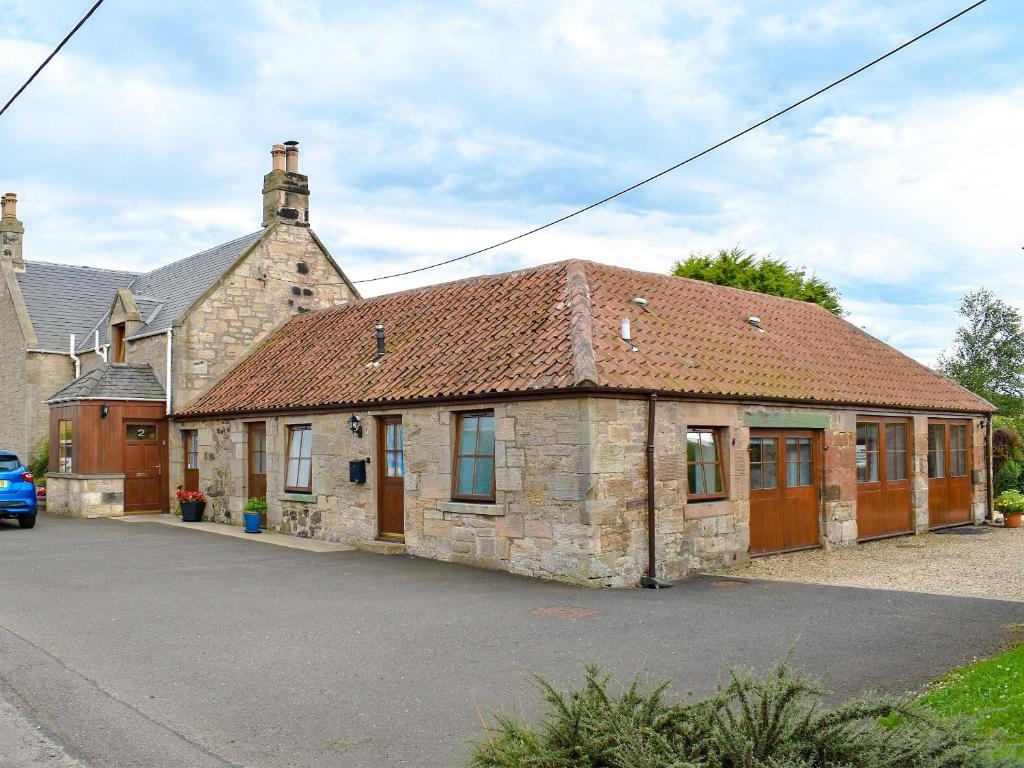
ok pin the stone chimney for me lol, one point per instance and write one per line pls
(285, 190)
(12, 232)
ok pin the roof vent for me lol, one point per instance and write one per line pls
(755, 321)
(379, 331)
(627, 336)
(642, 303)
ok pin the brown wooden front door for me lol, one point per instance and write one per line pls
(390, 478)
(190, 458)
(784, 490)
(883, 477)
(257, 463)
(143, 466)
(949, 474)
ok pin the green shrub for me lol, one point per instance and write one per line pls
(41, 464)
(1007, 477)
(1010, 503)
(775, 720)
(256, 505)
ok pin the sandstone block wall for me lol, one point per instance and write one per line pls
(571, 486)
(86, 496)
(14, 434)
(261, 293)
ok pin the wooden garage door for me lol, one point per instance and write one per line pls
(949, 473)
(784, 493)
(883, 478)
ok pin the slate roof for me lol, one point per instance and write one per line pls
(63, 299)
(558, 327)
(113, 381)
(164, 294)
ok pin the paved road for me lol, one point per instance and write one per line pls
(144, 645)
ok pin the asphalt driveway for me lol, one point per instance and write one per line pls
(144, 645)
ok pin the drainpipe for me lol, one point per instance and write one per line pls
(170, 340)
(651, 580)
(102, 352)
(989, 489)
(74, 357)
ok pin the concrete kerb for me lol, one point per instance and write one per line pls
(264, 537)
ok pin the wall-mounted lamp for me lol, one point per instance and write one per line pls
(355, 425)
(104, 410)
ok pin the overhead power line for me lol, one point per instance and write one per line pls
(690, 159)
(55, 51)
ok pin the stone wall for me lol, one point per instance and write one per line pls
(262, 292)
(45, 373)
(13, 425)
(85, 495)
(571, 485)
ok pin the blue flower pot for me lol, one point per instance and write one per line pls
(252, 522)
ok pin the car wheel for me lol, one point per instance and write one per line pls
(27, 521)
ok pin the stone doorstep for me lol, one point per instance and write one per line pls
(278, 539)
(381, 547)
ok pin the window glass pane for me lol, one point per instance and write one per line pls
(769, 450)
(304, 469)
(292, 480)
(769, 475)
(691, 476)
(484, 473)
(485, 441)
(867, 453)
(307, 443)
(805, 473)
(895, 451)
(467, 439)
(755, 450)
(294, 444)
(400, 463)
(755, 477)
(143, 432)
(936, 450)
(398, 436)
(719, 486)
(464, 481)
(392, 467)
(389, 437)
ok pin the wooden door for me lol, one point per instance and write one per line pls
(190, 458)
(390, 478)
(949, 475)
(256, 487)
(143, 466)
(784, 491)
(883, 478)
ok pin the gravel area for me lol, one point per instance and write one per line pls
(989, 564)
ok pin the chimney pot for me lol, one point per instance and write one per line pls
(277, 153)
(10, 205)
(379, 328)
(292, 154)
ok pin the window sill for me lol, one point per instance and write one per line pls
(471, 508)
(696, 510)
(302, 498)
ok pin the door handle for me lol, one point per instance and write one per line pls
(158, 468)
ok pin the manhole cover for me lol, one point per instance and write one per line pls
(565, 612)
(729, 583)
(966, 530)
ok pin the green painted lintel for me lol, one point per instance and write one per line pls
(787, 419)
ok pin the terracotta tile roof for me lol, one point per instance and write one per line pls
(558, 326)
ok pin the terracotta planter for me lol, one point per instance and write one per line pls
(1011, 519)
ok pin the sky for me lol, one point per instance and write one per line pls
(429, 130)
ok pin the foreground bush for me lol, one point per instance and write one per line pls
(775, 720)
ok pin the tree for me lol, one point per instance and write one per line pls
(763, 274)
(988, 352)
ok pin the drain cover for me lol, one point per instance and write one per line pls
(965, 530)
(729, 583)
(570, 612)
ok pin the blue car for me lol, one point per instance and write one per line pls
(17, 491)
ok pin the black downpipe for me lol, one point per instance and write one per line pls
(651, 580)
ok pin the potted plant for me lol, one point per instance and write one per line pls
(253, 512)
(192, 504)
(1011, 504)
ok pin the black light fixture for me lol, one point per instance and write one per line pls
(355, 425)
(104, 410)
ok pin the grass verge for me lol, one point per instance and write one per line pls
(990, 692)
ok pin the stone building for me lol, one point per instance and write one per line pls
(187, 324)
(587, 423)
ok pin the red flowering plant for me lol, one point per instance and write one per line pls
(189, 496)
